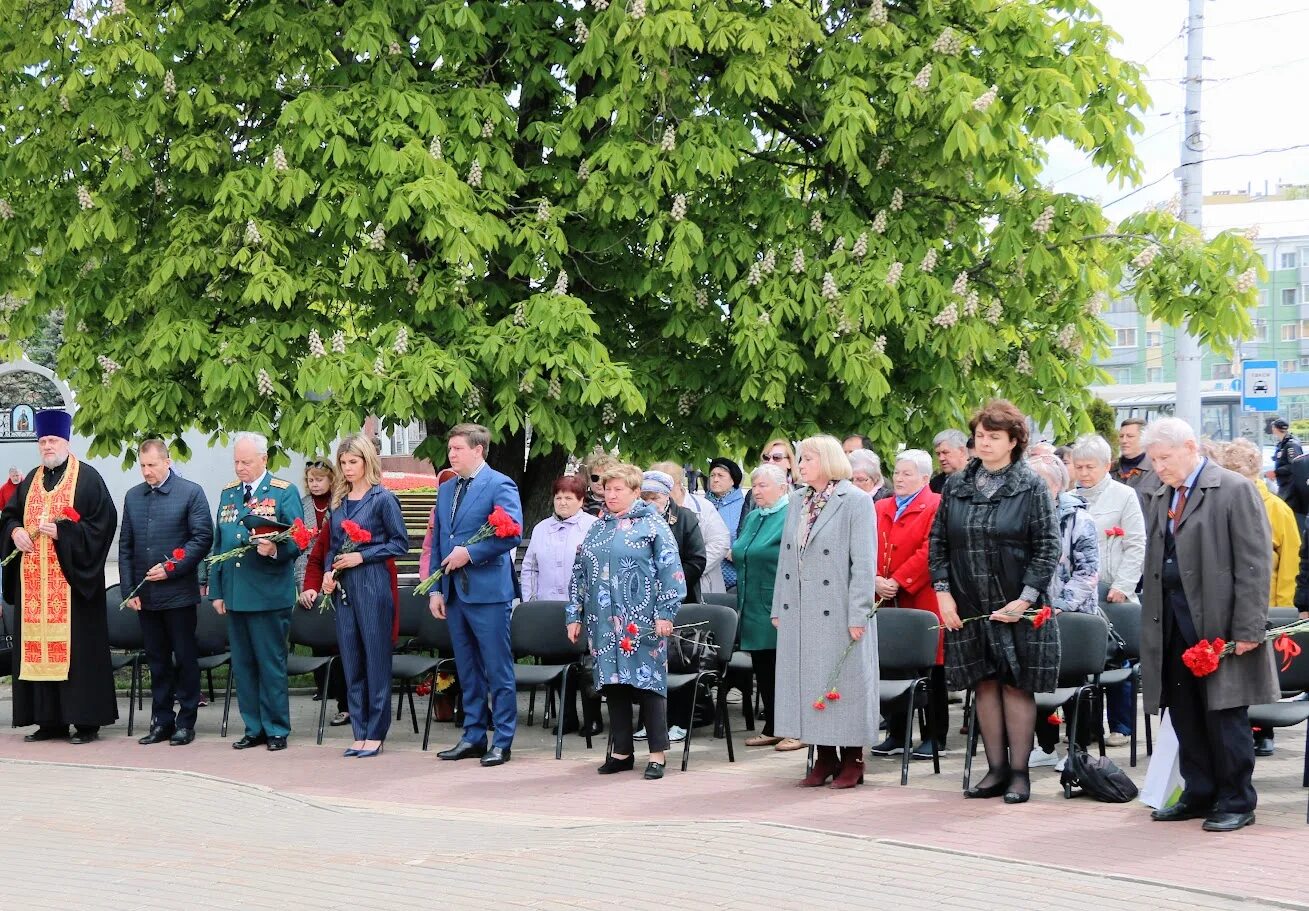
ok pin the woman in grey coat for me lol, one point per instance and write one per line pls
(822, 608)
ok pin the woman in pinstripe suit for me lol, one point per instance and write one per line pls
(360, 585)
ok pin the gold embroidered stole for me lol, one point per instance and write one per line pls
(47, 596)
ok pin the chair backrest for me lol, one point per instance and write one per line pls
(720, 620)
(726, 599)
(1295, 679)
(210, 630)
(412, 608)
(314, 629)
(1083, 646)
(1126, 621)
(124, 625)
(539, 629)
(906, 639)
(434, 634)
(1280, 616)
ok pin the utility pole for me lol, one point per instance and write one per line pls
(1191, 175)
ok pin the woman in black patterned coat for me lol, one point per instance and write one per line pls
(994, 548)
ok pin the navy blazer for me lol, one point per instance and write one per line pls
(489, 576)
(379, 512)
(155, 523)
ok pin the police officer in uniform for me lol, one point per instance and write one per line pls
(258, 588)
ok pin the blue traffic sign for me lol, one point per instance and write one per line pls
(1259, 385)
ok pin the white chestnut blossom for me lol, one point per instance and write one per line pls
(839, 244)
(816, 222)
(830, 291)
(488, 128)
(1096, 305)
(170, 84)
(583, 172)
(600, 5)
(948, 43)
(64, 104)
(1252, 232)
(877, 13)
(379, 366)
(637, 9)
(797, 262)
(265, 383)
(994, 311)
(861, 245)
(561, 284)
(118, 8)
(108, 367)
(893, 273)
(897, 200)
(395, 48)
(764, 318)
(929, 262)
(685, 402)
(755, 276)
(377, 240)
(84, 197)
(1245, 281)
(972, 302)
(1143, 259)
(401, 344)
(669, 141)
(769, 265)
(160, 187)
(279, 158)
(879, 344)
(338, 342)
(412, 285)
(924, 78)
(316, 348)
(434, 148)
(960, 285)
(475, 173)
(1024, 364)
(1068, 337)
(678, 211)
(583, 33)
(986, 99)
(6, 210)
(607, 413)
(701, 298)
(1045, 221)
(520, 314)
(252, 236)
(555, 389)
(883, 159)
(525, 385)
(879, 221)
(947, 317)
(543, 211)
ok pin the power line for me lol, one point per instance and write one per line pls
(1231, 22)
(1159, 180)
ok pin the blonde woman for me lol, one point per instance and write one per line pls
(824, 593)
(359, 582)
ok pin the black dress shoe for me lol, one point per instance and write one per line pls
(495, 756)
(1263, 746)
(276, 743)
(80, 737)
(464, 749)
(654, 771)
(1020, 788)
(612, 766)
(591, 729)
(158, 734)
(979, 792)
(1179, 812)
(181, 737)
(46, 734)
(250, 740)
(1228, 822)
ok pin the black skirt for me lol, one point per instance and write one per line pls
(1016, 654)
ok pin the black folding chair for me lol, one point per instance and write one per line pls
(906, 652)
(740, 670)
(409, 668)
(539, 629)
(316, 631)
(125, 636)
(212, 648)
(1083, 643)
(722, 622)
(1293, 678)
(412, 607)
(1125, 618)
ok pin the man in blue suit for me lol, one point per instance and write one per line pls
(475, 593)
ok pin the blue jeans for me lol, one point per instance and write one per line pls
(1119, 704)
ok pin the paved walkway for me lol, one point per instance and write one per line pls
(116, 825)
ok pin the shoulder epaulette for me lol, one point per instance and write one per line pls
(236, 483)
(279, 483)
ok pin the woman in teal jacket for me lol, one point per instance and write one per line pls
(755, 556)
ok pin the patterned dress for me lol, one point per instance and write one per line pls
(626, 576)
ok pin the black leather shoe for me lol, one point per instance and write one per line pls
(1228, 822)
(654, 771)
(1263, 746)
(46, 734)
(495, 756)
(978, 792)
(612, 766)
(158, 734)
(1179, 812)
(591, 729)
(81, 737)
(250, 740)
(464, 749)
(276, 743)
(181, 737)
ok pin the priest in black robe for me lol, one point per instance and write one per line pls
(62, 519)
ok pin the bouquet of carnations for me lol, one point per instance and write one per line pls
(297, 531)
(499, 524)
(355, 535)
(67, 514)
(1203, 658)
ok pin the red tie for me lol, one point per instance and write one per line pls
(1175, 514)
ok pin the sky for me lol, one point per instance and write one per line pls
(1254, 96)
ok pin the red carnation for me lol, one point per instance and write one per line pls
(178, 553)
(503, 523)
(1114, 532)
(71, 514)
(833, 695)
(1203, 657)
(169, 566)
(1044, 614)
(301, 534)
(820, 705)
(627, 645)
(356, 532)
(1053, 719)
(633, 629)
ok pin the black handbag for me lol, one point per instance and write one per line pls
(691, 649)
(1097, 776)
(6, 645)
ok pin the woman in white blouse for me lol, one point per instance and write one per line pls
(547, 571)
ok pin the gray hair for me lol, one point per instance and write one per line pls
(771, 472)
(155, 445)
(1050, 467)
(1167, 432)
(921, 460)
(955, 439)
(867, 460)
(1092, 446)
(257, 440)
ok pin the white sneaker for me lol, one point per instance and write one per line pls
(676, 734)
(1059, 766)
(639, 735)
(1040, 759)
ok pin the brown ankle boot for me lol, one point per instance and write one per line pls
(826, 765)
(852, 768)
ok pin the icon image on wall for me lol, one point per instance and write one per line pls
(22, 420)
(22, 394)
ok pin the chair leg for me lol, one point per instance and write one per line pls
(908, 737)
(559, 727)
(1133, 731)
(931, 727)
(747, 703)
(531, 706)
(690, 729)
(409, 694)
(720, 710)
(427, 723)
(727, 728)
(970, 743)
(227, 700)
(322, 701)
(210, 675)
(140, 684)
(399, 702)
(131, 695)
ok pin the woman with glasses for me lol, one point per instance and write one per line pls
(779, 452)
(867, 475)
(592, 469)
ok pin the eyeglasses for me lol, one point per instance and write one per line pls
(317, 464)
(777, 457)
(595, 479)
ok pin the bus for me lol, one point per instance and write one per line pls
(1221, 417)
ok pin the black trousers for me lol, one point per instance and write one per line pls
(654, 709)
(765, 674)
(1047, 734)
(170, 649)
(1216, 751)
(938, 712)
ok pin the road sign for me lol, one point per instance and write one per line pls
(1259, 385)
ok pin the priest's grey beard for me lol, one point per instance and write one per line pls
(53, 462)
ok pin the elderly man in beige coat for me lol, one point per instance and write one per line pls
(1206, 577)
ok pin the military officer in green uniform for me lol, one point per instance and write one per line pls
(257, 591)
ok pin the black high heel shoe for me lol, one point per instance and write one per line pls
(980, 792)
(1013, 795)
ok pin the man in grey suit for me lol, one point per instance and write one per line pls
(166, 534)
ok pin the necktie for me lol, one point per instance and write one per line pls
(1175, 514)
(248, 494)
(460, 486)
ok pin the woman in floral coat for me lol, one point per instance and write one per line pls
(627, 586)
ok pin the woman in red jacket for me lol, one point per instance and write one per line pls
(904, 524)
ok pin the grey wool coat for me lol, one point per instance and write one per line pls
(819, 595)
(1223, 548)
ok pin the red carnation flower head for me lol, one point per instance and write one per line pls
(1041, 617)
(833, 695)
(820, 705)
(169, 566)
(356, 532)
(1203, 657)
(633, 629)
(301, 534)
(627, 645)
(1053, 719)
(71, 514)
(178, 553)
(503, 523)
